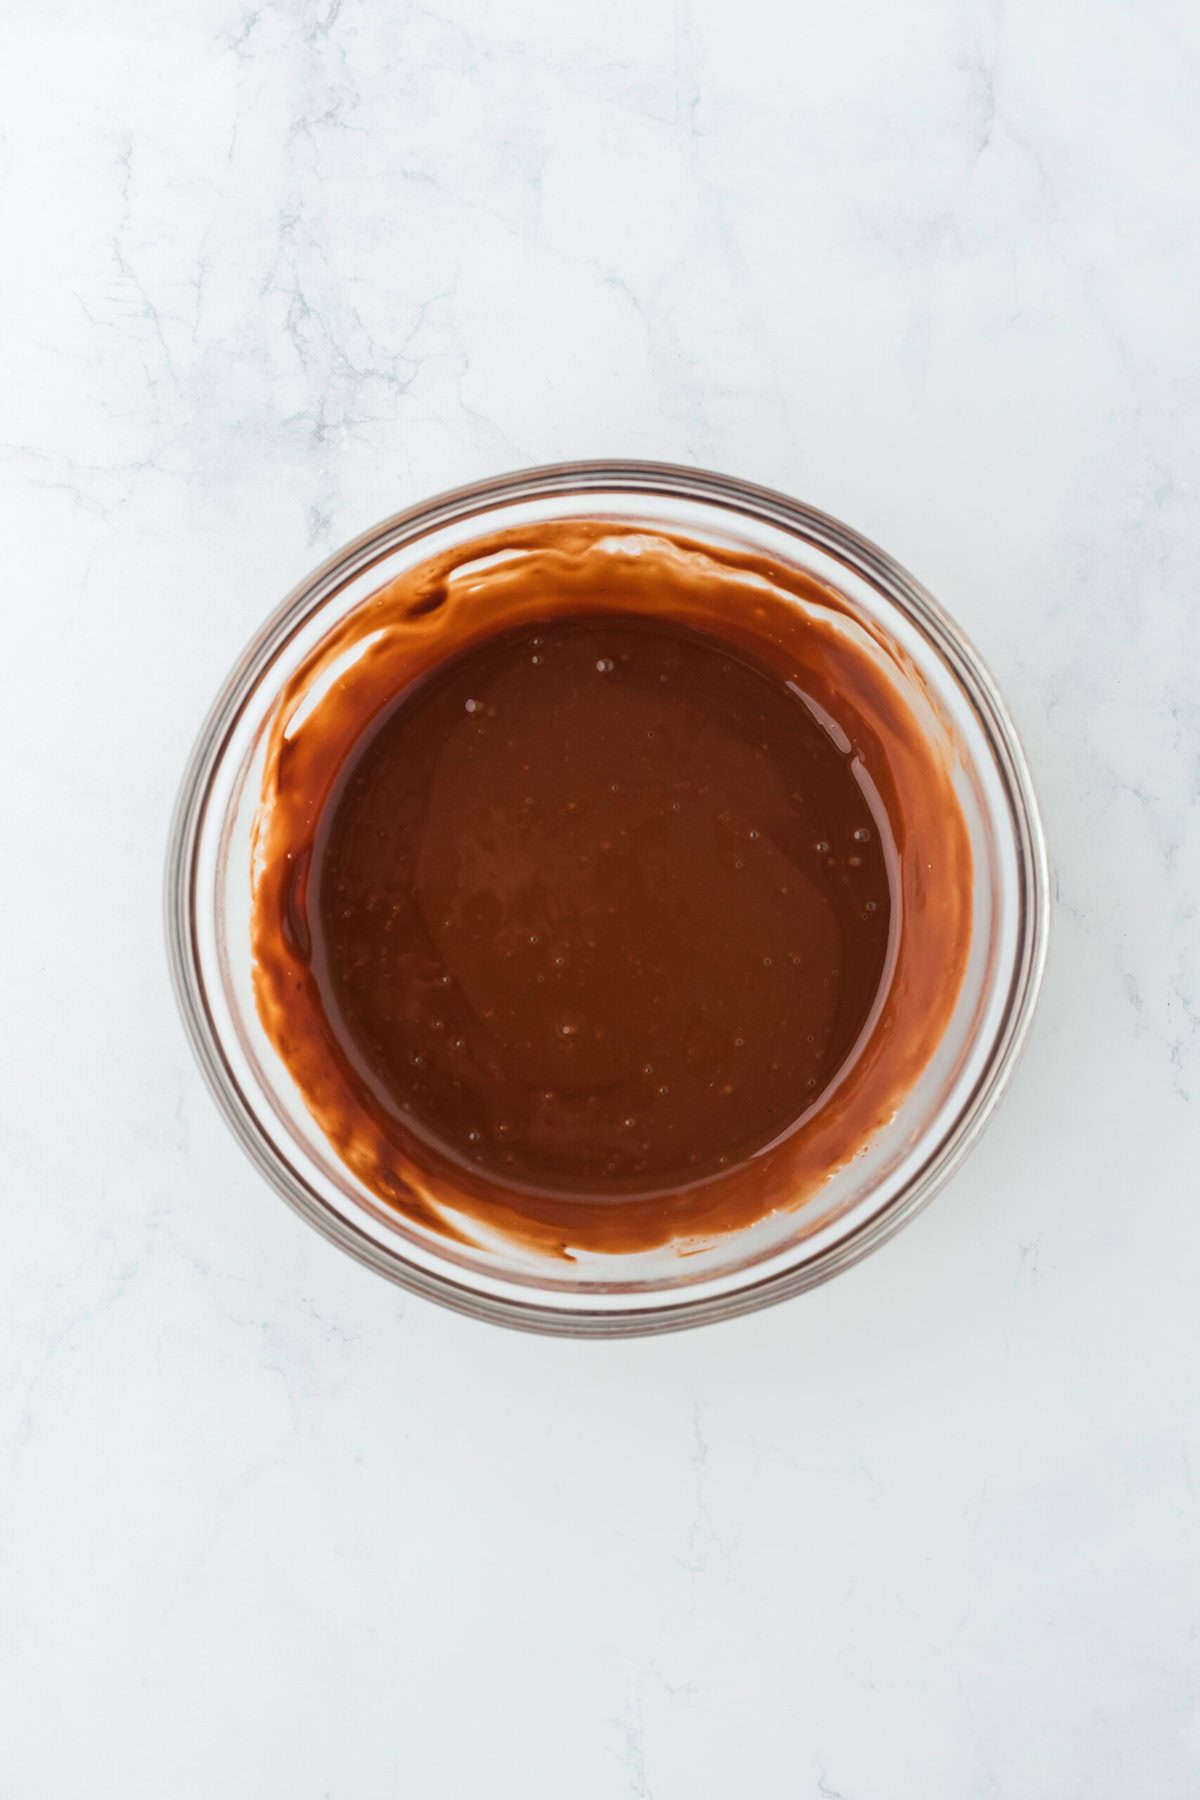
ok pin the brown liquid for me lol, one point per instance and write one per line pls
(598, 905)
(614, 892)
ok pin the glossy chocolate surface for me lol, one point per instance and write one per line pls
(613, 891)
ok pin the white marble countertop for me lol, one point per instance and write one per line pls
(269, 1528)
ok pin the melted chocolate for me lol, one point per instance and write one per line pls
(612, 890)
(599, 905)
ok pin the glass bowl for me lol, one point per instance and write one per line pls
(208, 922)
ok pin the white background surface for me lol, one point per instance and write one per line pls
(267, 1527)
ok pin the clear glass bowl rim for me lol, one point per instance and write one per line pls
(582, 478)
